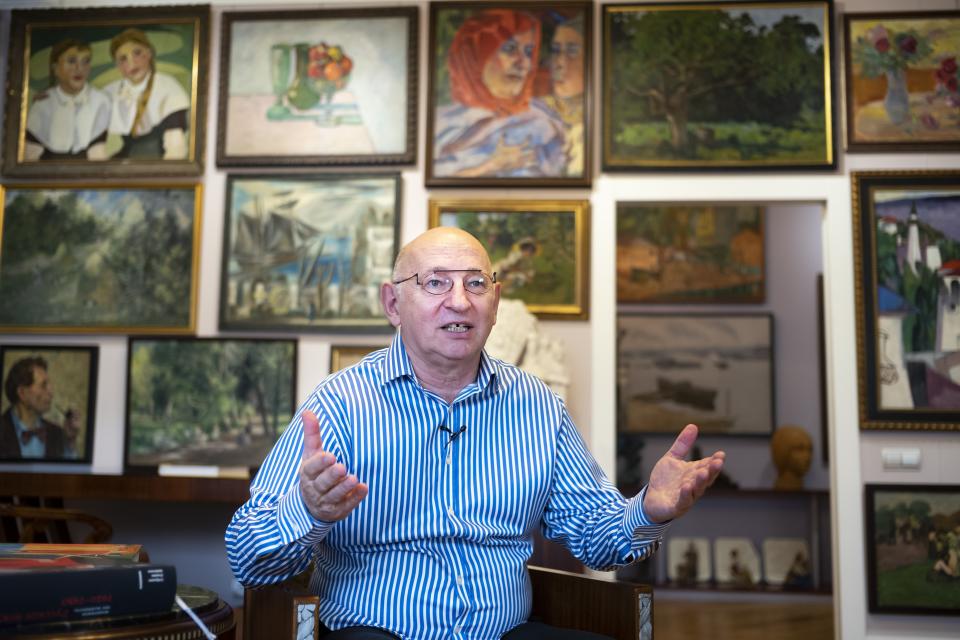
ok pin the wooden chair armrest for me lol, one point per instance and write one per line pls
(270, 611)
(616, 608)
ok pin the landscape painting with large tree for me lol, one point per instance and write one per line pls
(725, 85)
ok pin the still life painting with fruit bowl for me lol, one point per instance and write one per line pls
(318, 87)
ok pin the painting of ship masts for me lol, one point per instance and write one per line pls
(715, 371)
(308, 252)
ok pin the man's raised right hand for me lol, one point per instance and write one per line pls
(328, 491)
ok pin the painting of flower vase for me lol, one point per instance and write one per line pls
(902, 81)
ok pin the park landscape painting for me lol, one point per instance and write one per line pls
(913, 548)
(106, 260)
(725, 85)
(209, 402)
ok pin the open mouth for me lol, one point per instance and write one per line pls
(456, 327)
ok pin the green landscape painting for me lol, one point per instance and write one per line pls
(726, 85)
(100, 260)
(208, 402)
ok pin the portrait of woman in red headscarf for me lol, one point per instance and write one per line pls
(494, 127)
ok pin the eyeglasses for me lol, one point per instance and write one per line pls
(438, 282)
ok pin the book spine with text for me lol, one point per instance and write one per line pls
(44, 596)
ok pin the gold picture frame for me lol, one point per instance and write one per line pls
(540, 249)
(142, 95)
(343, 356)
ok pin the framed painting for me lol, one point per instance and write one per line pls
(714, 370)
(509, 94)
(50, 416)
(343, 356)
(318, 87)
(912, 555)
(718, 86)
(203, 406)
(906, 228)
(902, 81)
(690, 253)
(308, 252)
(99, 259)
(107, 92)
(539, 249)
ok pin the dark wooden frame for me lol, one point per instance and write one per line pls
(908, 141)
(677, 362)
(86, 455)
(315, 157)
(610, 162)
(584, 180)
(871, 494)
(221, 471)
(577, 308)
(22, 22)
(864, 184)
(374, 324)
(36, 325)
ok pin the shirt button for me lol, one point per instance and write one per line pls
(450, 511)
(456, 629)
(460, 581)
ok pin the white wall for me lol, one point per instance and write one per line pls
(855, 453)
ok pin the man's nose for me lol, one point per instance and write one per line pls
(457, 296)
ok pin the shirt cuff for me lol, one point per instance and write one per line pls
(645, 535)
(299, 524)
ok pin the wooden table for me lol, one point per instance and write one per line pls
(216, 614)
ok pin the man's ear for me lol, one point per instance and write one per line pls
(388, 298)
(496, 301)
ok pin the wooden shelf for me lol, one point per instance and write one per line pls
(125, 487)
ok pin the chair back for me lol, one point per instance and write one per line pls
(26, 524)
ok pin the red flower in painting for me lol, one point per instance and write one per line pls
(907, 43)
(947, 74)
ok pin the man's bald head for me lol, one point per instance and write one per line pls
(410, 256)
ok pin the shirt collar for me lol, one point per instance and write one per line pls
(19, 425)
(397, 365)
(78, 99)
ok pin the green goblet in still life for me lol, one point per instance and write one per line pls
(280, 69)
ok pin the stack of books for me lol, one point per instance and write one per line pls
(45, 584)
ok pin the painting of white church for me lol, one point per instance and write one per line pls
(917, 276)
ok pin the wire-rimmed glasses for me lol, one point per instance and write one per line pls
(439, 282)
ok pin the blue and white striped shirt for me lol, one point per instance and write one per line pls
(438, 548)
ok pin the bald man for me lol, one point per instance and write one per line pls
(415, 480)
